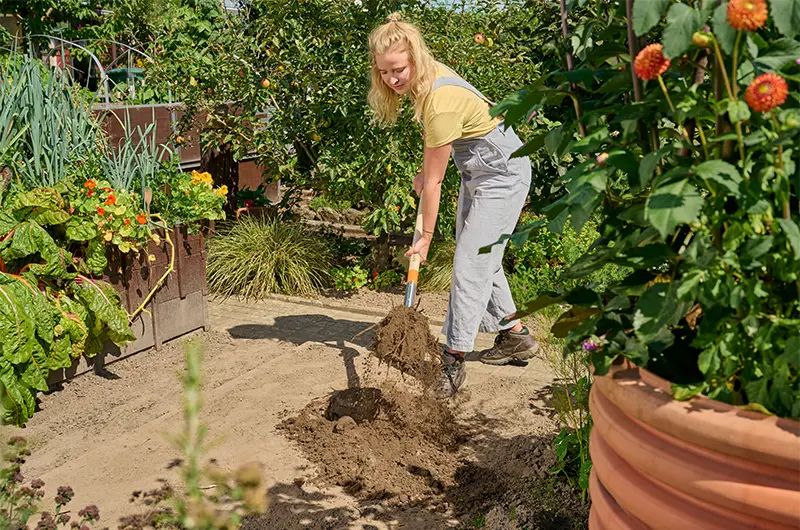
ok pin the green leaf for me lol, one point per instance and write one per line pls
(636, 351)
(646, 14)
(16, 323)
(531, 146)
(708, 360)
(96, 258)
(658, 307)
(570, 320)
(685, 392)
(753, 249)
(757, 392)
(80, 230)
(792, 232)
(781, 52)
(41, 198)
(791, 353)
(673, 204)
(724, 33)
(738, 111)
(624, 161)
(34, 375)
(7, 222)
(682, 22)
(49, 217)
(104, 302)
(17, 400)
(647, 168)
(722, 173)
(786, 15)
(584, 474)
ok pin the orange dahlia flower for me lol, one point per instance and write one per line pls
(766, 92)
(650, 63)
(747, 15)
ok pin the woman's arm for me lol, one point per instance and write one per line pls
(434, 166)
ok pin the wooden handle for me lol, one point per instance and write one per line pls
(416, 260)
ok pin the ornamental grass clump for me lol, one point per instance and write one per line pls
(691, 160)
(254, 257)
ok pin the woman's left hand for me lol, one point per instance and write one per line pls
(420, 248)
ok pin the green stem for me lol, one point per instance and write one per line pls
(740, 139)
(787, 213)
(702, 137)
(735, 64)
(672, 108)
(721, 63)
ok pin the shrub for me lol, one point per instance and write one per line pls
(537, 267)
(254, 257)
(350, 278)
(438, 272)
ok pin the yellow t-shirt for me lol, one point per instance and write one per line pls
(454, 112)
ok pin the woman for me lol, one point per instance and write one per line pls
(456, 121)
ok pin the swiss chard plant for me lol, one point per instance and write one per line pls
(687, 150)
(53, 309)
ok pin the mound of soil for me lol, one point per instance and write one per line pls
(404, 341)
(406, 452)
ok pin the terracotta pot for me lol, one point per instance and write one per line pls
(698, 464)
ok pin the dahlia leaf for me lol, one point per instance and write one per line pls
(724, 33)
(786, 14)
(646, 14)
(682, 22)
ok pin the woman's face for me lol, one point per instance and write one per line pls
(396, 70)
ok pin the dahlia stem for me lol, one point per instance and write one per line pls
(787, 212)
(723, 70)
(672, 108)
(702, 138)
(666, 94)
(735, 65)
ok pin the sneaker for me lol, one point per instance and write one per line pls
(453, 375)
(510, 346)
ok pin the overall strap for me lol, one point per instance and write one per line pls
(459, 81)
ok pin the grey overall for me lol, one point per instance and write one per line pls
(494, 188)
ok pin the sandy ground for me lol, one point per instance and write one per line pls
(107, 436)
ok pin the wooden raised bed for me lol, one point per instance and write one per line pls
(177, 308)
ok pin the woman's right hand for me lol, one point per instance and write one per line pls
(419, 183)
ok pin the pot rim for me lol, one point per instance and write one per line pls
(701, 420)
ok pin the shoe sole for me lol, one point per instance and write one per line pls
(519, 357)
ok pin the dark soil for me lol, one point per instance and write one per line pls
(408, 452)
(404, 341)
(398, 446)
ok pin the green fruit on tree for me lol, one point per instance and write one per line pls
(701, 39)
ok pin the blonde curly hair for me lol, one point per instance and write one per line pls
(397, 35)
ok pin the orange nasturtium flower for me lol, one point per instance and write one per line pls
(747, 15)
(766, 92)
(650, 63)
(127, 222)
(111, 200)
(101, 210)
(141, 219)
(90, 184)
